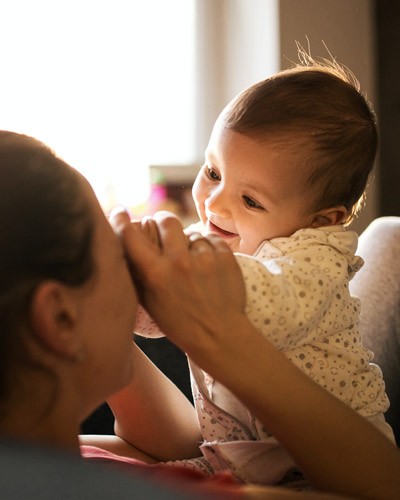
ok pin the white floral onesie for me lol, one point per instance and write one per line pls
(298, 298)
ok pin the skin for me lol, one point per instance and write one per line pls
(249, 191)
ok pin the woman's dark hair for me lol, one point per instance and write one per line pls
(318, 106)
(46, 232)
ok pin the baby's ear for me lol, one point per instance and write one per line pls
(329, 217)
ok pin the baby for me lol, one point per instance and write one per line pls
(285, 172)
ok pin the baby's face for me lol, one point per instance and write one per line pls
(250, 191)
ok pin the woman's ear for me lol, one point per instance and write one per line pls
(329, 217)
(54, 315)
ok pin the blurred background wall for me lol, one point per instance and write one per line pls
(140, 83)
(348, 29)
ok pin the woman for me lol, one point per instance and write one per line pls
(67, 302)
(67, 306)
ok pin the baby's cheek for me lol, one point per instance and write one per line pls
(249, 247)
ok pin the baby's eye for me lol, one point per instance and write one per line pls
(251, 203)
(212, 174)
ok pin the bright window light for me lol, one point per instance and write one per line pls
(109, 85)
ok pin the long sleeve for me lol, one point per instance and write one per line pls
(145, 326)
(288, 297)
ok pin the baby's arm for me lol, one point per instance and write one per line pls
(145, 326)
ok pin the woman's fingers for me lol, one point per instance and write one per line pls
(140, 249)
(119, 218)
(150, 228)
(219, 244)
(199, 243)
(170, 230)
(148, 244)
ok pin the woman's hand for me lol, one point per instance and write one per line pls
(119, 218)
(191, 285)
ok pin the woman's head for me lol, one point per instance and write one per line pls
(45, 223)
(46, 229)
(52, 260)
(316, 110)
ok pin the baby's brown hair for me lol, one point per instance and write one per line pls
(319, 105)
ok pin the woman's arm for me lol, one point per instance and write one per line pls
(154, 421)
(338, 450)
(153, 415)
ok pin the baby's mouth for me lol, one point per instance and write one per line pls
(218, 230)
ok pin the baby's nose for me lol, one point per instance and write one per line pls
(218, 203)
